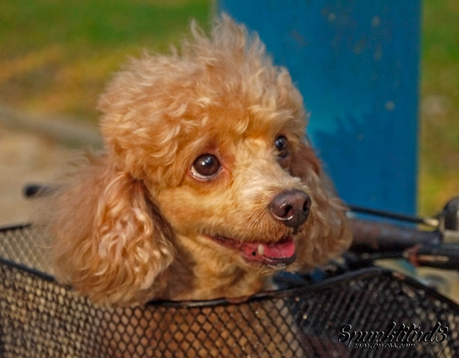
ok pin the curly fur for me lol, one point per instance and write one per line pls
(133, 223)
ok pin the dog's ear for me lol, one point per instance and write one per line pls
(109, 240)
(327, 227)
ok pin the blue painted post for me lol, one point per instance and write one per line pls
(356, 64)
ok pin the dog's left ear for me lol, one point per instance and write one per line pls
(328, 228)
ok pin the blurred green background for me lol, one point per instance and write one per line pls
(56, 56)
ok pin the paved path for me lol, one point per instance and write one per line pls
(25, 158)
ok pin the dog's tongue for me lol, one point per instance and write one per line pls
(281, 251)
(276, 255)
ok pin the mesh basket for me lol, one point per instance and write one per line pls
(40, 318)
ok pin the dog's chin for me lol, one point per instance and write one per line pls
(276, 254)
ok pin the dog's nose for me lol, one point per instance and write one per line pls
(291, 207)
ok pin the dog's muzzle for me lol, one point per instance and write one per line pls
(291, 207)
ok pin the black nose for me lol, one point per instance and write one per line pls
(291, 207)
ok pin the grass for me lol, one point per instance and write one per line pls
(56, 56)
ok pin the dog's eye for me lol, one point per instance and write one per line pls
(205, 166)
(282, 146)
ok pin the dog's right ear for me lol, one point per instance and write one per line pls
(109, 241)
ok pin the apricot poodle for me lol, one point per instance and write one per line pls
(207, 186)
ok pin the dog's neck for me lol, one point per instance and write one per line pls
(218, 276)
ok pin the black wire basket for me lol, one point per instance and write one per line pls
(343, 316)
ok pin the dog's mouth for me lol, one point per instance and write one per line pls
(277, 254)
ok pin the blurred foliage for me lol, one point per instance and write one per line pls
(56, 56)
(439, 145)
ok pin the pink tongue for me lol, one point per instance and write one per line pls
(275, 251)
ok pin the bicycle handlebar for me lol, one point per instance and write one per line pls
(379, 240)
(444, 256)
(373, 236)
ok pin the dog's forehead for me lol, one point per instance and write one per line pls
(241, 109)
(259, 106)
(233, 125)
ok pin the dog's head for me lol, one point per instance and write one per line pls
(210, 145)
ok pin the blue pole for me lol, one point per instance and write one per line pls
(356, 64)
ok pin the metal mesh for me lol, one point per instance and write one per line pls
(24, 246)
(40, 318)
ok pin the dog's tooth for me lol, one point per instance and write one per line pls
(261, 250)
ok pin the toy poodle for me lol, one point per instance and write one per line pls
(207, 186)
